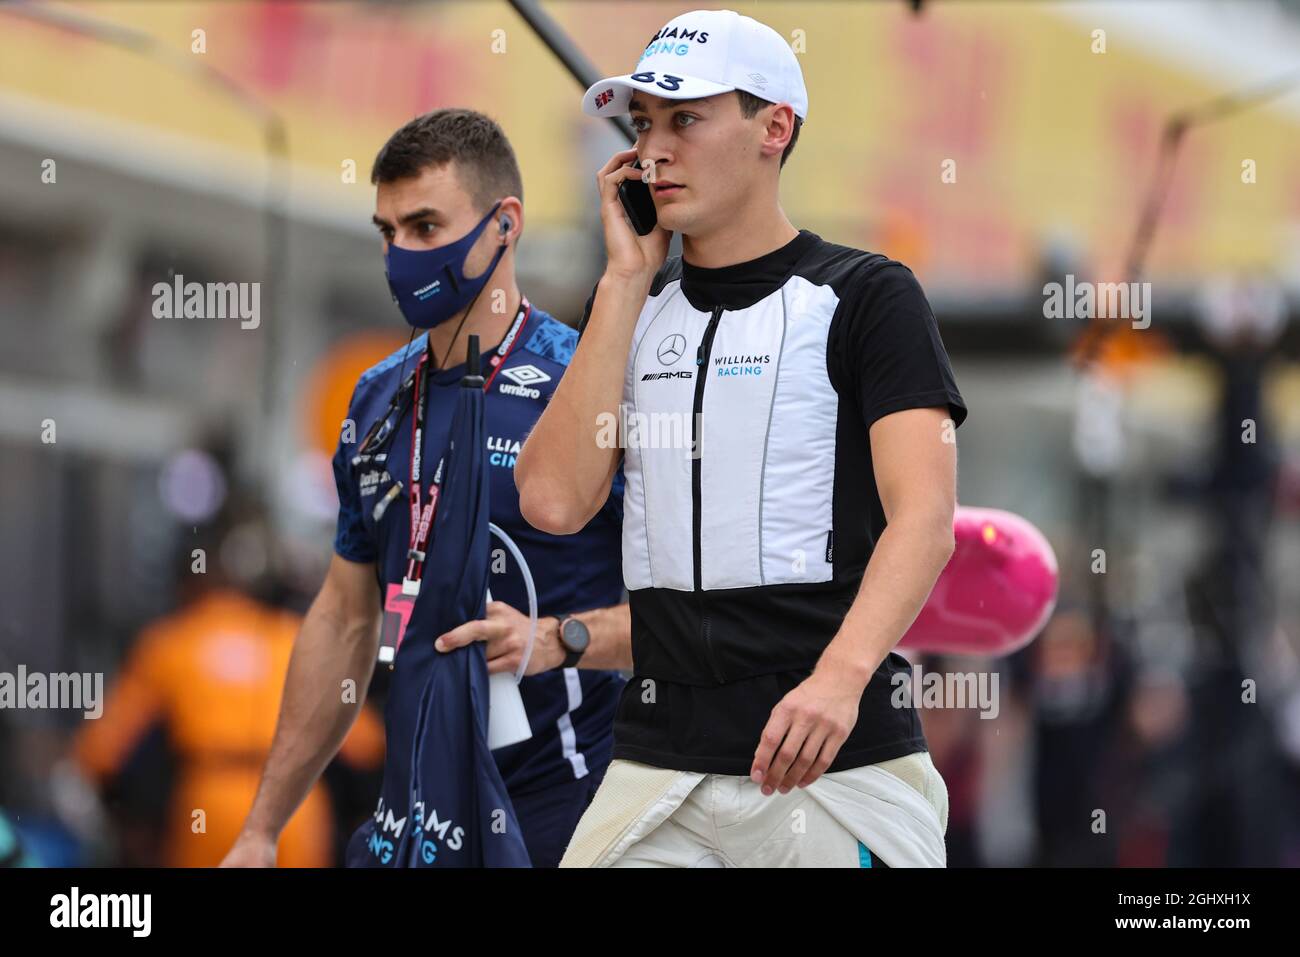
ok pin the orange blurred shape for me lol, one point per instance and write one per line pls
(1112, 342)
(330, 384)
(901, 236)
(212, 675)
(1118, 348)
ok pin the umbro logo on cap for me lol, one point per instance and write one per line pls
(705, 53)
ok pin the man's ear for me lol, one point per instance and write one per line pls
(512, 209)
(778, 129)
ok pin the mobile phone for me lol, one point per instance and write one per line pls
(638, 203)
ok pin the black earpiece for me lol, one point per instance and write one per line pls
(505, 225)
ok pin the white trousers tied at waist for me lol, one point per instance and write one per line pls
(647, 816)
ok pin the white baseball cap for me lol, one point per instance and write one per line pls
(704, 53)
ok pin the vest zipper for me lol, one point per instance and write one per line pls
(701, 365)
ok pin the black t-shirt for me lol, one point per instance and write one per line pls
(885, 347)
(741, 567)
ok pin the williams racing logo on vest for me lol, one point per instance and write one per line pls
(522, 379)
(740, 365)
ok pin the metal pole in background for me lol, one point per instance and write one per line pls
(580, 68)
(1096, 334)
(567, 52)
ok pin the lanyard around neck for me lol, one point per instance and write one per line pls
(423, 512)
(375, 442)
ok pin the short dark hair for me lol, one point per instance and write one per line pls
(484, 158)
(749, 107)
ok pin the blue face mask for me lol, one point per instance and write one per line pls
(429, 285)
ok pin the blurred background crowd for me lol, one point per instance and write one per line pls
(231, 142)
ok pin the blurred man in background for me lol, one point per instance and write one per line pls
(210, 676)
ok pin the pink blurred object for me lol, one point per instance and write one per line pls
(996, 592)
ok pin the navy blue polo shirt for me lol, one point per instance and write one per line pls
(571, 711)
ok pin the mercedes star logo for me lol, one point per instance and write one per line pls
(671, 349)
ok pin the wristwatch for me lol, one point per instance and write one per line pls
(574, 639)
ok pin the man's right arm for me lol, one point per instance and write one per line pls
(563, 473)
(338, 643)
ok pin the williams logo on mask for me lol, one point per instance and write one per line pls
(430, 285)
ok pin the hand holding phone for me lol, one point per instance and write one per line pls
(636, 244)
(638, 203)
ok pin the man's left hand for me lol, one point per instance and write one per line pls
(505, 633)
(806, 730)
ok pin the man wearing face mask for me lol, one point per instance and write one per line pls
(449, 210)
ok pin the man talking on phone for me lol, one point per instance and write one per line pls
(778, 552)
